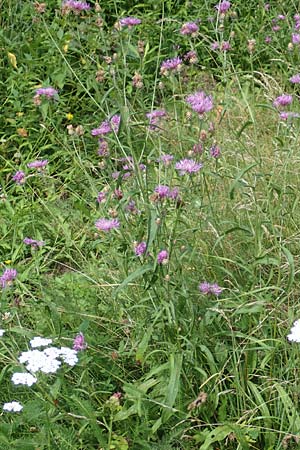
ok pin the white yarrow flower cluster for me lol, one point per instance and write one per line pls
(40, 342)
(2, 332)
(12, 407)
(294, 336)
(23, 378)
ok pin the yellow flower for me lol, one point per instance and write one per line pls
(8, 261)
(69, 116)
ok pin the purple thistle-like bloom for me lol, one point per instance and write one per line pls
(268, 39)
(103, 149)
(107, 224)
(107, 126)
(189, 28)
(214, 46)
(225, 46)
(38, 164)
(208, 288)
(139, 249)
(101, 197)
(188, 166)
(173, 65)
(215, 151)
(154, 117)
(19, 177)
(162, 191)
(191, 57)
(166, 159)
(7, 277)
(223, 7)
(79, 343)
(48, 91)
(129, 22)
(288, 115)
(76, 5)
(33, 242)
(295, 78)
(163, 257)
(295, 38)
(283, 100)
(200, 102)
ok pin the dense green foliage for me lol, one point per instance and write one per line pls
(167, 366)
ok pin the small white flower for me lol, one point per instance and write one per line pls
(12, 407)
(69, 356)
(2, 332)
(40, 342)
(294, 336)
(23, 378)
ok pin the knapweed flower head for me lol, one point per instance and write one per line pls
(107, 224)
(285, 115)
(23, 378)
(210, 288)
(215, 151)
(129, 22)
(12, 407)
(140, 248)
(38, 164)
(40, 342)
(79, 343)
(162, 190)
(154, 117)
(188, 166)
(33, 242)
(108, 126)
(163, 257)
(223, 6)
(19, 177)
(101, 197)
(294, 335)
(200, 102)
(295, 79)
(48, 92)
(7, 277)
(171, 65)
(191, 57)
(225, 46)
(296, 38)
(189, 28)
(283, 101)
(75, 5)
(166, 159)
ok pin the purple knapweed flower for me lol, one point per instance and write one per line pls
(19, 177)
(276, 28)
(49, 92)
(268, 39)
(163, 257)
(79, 343)
(189, 28)
(154, 117)
(38, 164)
(267, 7)
(165, 159)
(215, 151)
(295, 38)
(188, 166)
(107, 126)
(101, 197)
(76, 5)
(162, 191)
(103, 149)
(33, 242)
(208, 288)
(107, 224)
(225, 46)
(214, 46)
(281, 17)
(200, 102)
(7, 277)
(129, 22)
(191, 57)
(295, 78)
(171, 65)
(288, 115)
(140, 248)
(283, 100)
(223, 6)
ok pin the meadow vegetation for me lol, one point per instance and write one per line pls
(149, 225)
